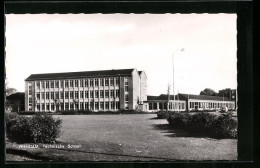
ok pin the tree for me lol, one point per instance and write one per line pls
(208, 92)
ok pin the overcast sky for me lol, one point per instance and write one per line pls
(45, 43)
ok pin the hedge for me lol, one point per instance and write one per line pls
(86, 112)
(222, 126)
(38, 128)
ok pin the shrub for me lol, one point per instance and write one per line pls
(225, 126)
(178, 120)
(39, 128)
(201, 122)
(162, 115)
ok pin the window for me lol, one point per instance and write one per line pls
(56, 95)
(86, 105)
(101, 105)
(76, 83)
(91, 94)
(101, 82)
(86, 83)
(86, 94)
(71, 106)
(106, 105)
(56, 84)
(47, 95)
(66, 106)
(106, 93)
(52, 84)
(106, 82)
(52, 106)
(76, 106)
(170, 105)
(38, 106)
(112, 105)
(91, 82)
(81, 83)
(165, 105)
(150, 106)
(126, 97)
(112, 94)
(66, 94)
(66, 83)
(71, 95)
(91, 105)
(61, 95)
(57, 107)
(61, 106)
(61, 84)
(42, 94)
(117, 81)
(81, 94)
(101, 93)
(96, 82)
(96, 94)
(155, 106)
(30, 90)
(160, 105)
(71, 83)
(37, 95)
(117, 93)
(52, 95)
(126, 88)
(111, 81)
(47, 84)
(96, 106)
(42, 84)
(76, 94)
(126, 81)
(38, 85)
(81, 105)
(30, 101)
(117, 105)
(47, 107)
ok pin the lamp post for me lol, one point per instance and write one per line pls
(178, 50)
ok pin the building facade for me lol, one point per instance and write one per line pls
(91, 90)
(189, 102)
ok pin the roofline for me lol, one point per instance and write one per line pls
(95, 76)
(73, 77)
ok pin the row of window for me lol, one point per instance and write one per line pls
(77, 83)
(78, 106)
(78, 94)
(214, 105)
(176, 105)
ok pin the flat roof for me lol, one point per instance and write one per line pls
(69, 75)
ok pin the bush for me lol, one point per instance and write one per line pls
(39, 128)
(201, 122)
(223, 126)
(178, 120)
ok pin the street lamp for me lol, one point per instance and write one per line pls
(178, 50)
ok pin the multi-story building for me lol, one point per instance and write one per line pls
(90, 90)
(229, 93)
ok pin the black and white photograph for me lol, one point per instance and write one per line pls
(121, 87)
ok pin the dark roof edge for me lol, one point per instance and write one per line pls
(74, 77)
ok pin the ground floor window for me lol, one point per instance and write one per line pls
(117, 105)
(96, 106)
(150, 106)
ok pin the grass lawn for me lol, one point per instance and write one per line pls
(130, 138)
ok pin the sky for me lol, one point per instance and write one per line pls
(52, 43)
